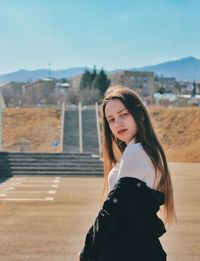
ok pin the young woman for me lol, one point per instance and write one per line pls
(137, 184)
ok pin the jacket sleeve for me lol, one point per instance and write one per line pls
(115, 207)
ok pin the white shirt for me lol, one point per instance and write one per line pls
(134, 162)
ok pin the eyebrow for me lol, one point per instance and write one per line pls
(109, 116)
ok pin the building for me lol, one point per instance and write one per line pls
(141, 82)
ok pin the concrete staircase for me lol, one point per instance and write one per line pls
(90, 138)
(89, 130)
(71, 131)
(50, 164)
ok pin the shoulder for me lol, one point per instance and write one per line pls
(132, 160)
(132, 150)
(112, 172)
(135, 162)
(133, 155)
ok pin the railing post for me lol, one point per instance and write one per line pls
(80, 128)
(2, 107)
(98, 127)
(62, 125)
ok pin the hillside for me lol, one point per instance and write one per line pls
(178, 131)
(36, 129)
(31, 128)
(187, 68)
(183, 69)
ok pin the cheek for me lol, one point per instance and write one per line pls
(133, 123)
(135, 126)
(111, 128)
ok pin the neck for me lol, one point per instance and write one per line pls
(131, 141)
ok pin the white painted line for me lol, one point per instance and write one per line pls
(56, 181)
(33, 185)
(15, 179)
(54, 185)
(49, 198)
(52, 192)
(6, 189)
(8, 184)
(2, 195)
(38, 181)
(29, 191)
(11, 188)
(26, 199)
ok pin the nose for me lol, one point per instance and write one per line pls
(118, 122)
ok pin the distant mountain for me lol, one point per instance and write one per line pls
(25, 75)
(183, 69)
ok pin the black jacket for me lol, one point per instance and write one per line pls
(127, 227)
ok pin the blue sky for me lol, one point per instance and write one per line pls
(107, 33)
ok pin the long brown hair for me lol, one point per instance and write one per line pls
(112, 147)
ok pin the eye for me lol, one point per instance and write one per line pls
(124, 115)
(111, 120)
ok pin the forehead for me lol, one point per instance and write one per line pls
(113, 107)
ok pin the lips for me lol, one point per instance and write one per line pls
(121, 131)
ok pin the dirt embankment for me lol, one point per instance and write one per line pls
(32, 129)
(178, 130)
(37, 129)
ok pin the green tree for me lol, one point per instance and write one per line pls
(94, 74)
(161, 90)
(101, 82)
(86, 80)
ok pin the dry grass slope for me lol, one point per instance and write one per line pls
(35, 127)
(177, 129)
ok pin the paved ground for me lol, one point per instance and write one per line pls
(46, 218)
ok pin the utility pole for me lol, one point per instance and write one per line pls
(49, 64)
(194, 90)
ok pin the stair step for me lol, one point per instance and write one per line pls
(53, 173)
(50, 164)
(89, 160)
(52, 168)
(27, 164)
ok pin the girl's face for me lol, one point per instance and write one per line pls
(121, 122)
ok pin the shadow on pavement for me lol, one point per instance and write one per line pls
(5, 171)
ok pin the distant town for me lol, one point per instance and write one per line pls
(48, 91)
(172, 83)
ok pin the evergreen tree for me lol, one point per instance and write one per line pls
(86, 80)
(101, 82)
(94, 73)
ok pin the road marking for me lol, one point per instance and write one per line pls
(30, 191)
(27, 199)
(11, 188)
(49, 198)
(17, 184)
(54, 185)
(8, 184)
(38, 181)
(34, 185)
(51, 191)
(56, 181)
